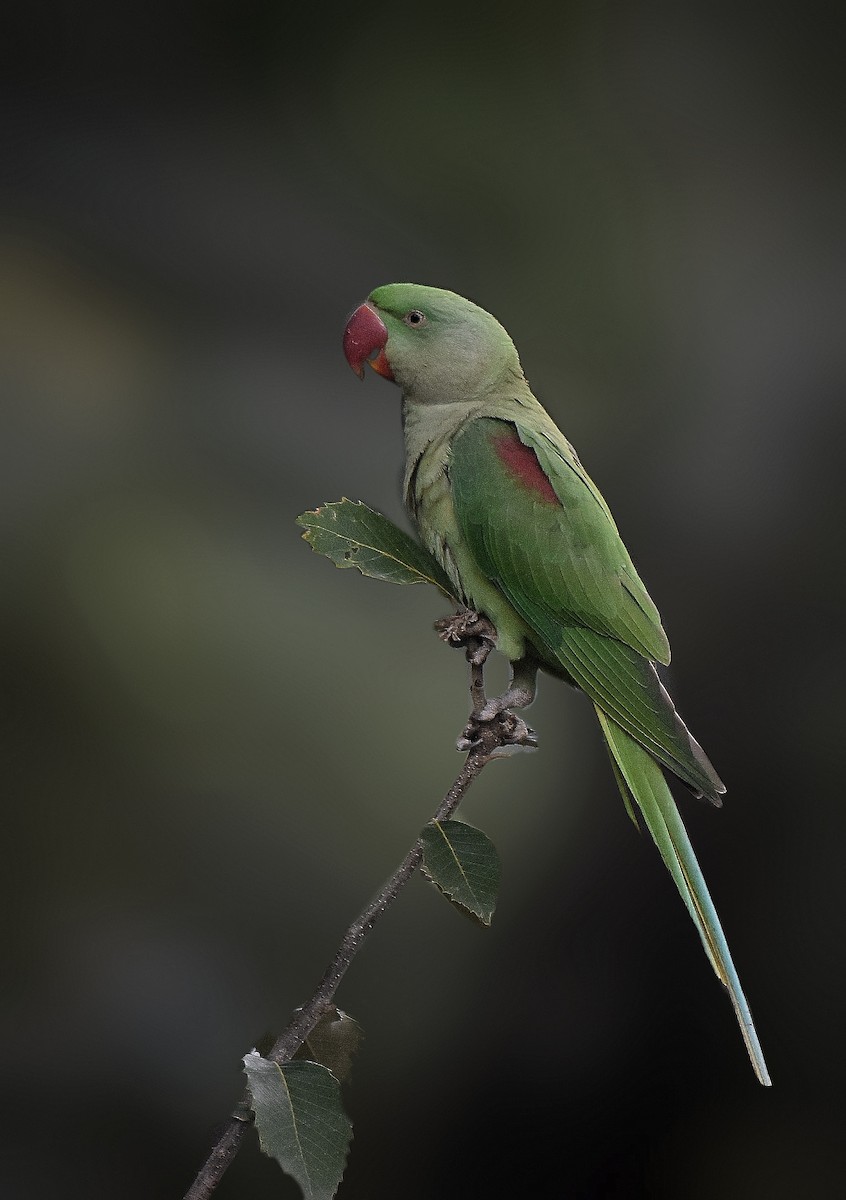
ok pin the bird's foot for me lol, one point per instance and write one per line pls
(503, 728)
(519, 695)
(469, 631)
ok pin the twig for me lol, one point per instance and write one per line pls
(491, 738)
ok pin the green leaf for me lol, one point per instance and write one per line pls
(333, 1042)
(463, 863)
(301, 1122)
(353, 535)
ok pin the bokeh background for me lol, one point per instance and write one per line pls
(216, 746)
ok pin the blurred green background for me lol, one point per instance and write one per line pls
(215, 746)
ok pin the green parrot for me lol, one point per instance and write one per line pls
(502, 501)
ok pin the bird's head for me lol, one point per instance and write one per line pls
(437, 346)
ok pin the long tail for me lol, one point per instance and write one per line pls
(642, 780)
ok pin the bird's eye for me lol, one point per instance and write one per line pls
(415, 318)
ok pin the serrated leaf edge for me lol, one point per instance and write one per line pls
(478, 916)
(254, 1054)
(358, 544)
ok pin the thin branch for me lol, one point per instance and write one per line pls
(491, 737)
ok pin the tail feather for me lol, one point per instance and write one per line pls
(641, 780)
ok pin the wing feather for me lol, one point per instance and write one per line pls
(564, 569)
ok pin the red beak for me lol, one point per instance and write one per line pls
(364, 335)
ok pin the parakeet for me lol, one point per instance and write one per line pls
(501, 500)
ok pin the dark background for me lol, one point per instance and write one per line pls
(216, 746)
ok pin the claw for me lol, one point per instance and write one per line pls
(466, 628)
(508, 729)
(515, 731)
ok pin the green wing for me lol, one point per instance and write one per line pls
(536, 525)
(615, 601)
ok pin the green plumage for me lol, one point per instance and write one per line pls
(639, 775)
(566, 572)
(502, 501)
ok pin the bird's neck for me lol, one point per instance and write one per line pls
(428, 430)
(427, 424)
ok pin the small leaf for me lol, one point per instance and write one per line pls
(301, 1122)
(333, 1042)
(353, 535)
(463, 863)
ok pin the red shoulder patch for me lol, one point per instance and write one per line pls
(522, 464)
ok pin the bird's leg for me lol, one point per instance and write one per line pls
(520, 692)
(477, 635)
(513, 729)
